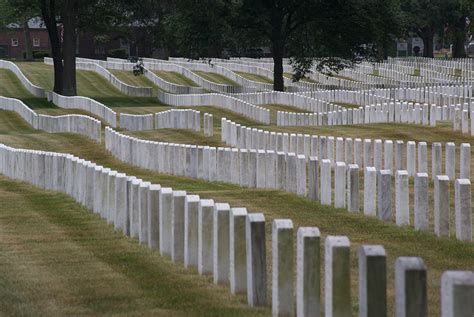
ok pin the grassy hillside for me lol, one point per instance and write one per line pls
(89, 84)
(175, 78)
(439, 254)
(58, 259)
(255, 77)
(216, 78)
(129, 78)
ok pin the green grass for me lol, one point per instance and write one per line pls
(95, 86)
(112, 274)
(10, 86)
(304, 79)
(192, 137)
(342, 77)
(38, 73)
(90, 84)
(129, 78)
(438, 254)
(175, 78)
(255, 77)
(181, 136)
(216, 78)
(274, 108)
(347, 105)
(60, 259)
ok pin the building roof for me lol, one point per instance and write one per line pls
(33, 23)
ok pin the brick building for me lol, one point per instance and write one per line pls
(12, 40)
(89, 45)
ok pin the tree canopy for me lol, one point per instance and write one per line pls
(300, 29)
(327, 34)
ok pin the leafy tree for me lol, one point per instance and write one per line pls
(458, 26)
(278, 22)
(308, 31)
(384, 24)
(65, 18)
(198, 28)
(426, 18)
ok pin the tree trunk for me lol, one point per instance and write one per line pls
(278, 83)
(58, 65)
(428, 51)
(69, 17)
(386, 45)
(48, 12)
(459, 50)
(427, 35)
(28, 46)
(382, 50)
(278, 49)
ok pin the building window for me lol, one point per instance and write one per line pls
(99, 49)
(123, 43)
(36, 42)
(14, 42)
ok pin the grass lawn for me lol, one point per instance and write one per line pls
(255, 77)
(274, 108)
(10, 86)
(60, 259)
(38, 73)
(90, 84)
(106, 260)
(93, 85)
(304, 79)
(343, 77)
(216, 78)
(175, 78)
(129, 78)
(347, 105)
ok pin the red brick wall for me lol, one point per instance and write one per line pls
(18, 51)
(87, 45)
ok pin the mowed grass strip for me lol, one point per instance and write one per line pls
(175, 78)
(274, 108)
(216, 78)
(442, 133)
(255, 77)
(93, 85)
(10, 86)
(38, 73)
(304, 79)
(89, 84)
(134, 80)
(60, 259)
(438, 254)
